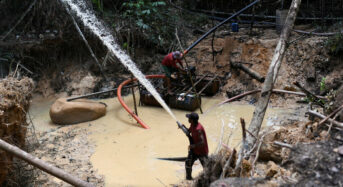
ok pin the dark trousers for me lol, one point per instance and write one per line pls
(190, 161)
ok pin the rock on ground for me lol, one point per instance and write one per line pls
(63, 112)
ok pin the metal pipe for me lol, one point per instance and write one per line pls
(98, 93)
(57, 172)
(220, 24)
(263, 16)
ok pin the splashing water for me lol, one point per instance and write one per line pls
(89, 20)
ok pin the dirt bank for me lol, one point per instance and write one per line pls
(307, 61)
(14, 103)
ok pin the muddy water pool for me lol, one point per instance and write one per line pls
(126, 154)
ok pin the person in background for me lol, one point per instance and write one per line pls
(198, 149)
(170, 65)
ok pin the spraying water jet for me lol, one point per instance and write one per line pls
(89, 20)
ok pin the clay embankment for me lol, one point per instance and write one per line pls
(14, 103)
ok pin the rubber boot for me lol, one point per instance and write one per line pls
(189, 174)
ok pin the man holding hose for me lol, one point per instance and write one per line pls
(198, 148)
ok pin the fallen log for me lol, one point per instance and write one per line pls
(318, 34)
(57, 172)
(233, 99)
(296, 93)
(253, 74)
(256, 91)
(334, 122)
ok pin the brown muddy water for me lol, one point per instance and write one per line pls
(126, 154)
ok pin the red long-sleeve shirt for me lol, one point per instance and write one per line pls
(168, 60)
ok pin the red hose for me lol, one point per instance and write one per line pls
(126, 107)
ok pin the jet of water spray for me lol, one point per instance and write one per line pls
(89, 19)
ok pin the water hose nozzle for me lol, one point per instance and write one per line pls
(183, 128)
(179, 124)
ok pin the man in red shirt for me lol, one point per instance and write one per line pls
(169, 65)
(198, 147)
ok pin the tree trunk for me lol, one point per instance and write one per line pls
(57, 172)
(253, 74)
(274, 67)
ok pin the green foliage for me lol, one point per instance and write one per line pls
(335, 44)
(125, 45)
(98, 4)
(198, 20)
(322, 84)
(153, 18)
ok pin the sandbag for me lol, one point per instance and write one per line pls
(63, 112)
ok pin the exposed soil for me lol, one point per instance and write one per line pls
(319, 163)
(68, 148)
(305, 61)
(63, 66)
(14, 103)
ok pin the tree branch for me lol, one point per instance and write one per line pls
(20, 19)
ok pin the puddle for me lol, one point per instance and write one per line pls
(39, 113)
(126, 154)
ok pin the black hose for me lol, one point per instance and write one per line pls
(220, 24)
(245, 21)
(98, 93)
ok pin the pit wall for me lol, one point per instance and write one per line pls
(14, 102)
(306, 60)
